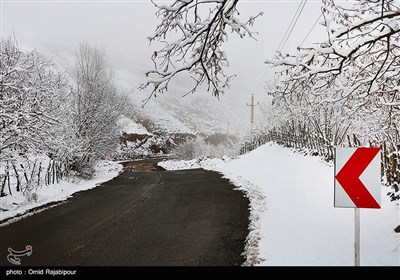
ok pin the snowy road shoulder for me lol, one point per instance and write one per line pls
(18, 203)
(293, 221)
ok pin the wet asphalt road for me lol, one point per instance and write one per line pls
(160, 218)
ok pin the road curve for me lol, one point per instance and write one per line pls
(162, 218)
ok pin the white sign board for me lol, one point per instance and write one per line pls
(357, 177)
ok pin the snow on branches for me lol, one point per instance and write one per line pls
(95, 106)
(50, 124)
(200, 29)
(356, 70)
(30, 92)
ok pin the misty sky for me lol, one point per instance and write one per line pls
(55, 28)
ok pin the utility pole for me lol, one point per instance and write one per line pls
(252, 105)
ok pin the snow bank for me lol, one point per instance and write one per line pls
(293, 221)
(18, 203)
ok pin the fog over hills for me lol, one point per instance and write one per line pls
(121, 30)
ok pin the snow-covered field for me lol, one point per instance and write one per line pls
(18, 203)
(293, 221)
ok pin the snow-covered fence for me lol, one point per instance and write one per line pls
(315, 145)
(24, 176)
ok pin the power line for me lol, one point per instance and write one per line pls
(288, 32)
(290, 24)
(291, 30)
(312, 28)
(263, 77)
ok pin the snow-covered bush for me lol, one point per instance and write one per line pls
(136, 146)
(198, 147)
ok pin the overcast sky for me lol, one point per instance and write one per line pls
(121, 28)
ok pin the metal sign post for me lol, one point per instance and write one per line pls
(356, 236)
(357, 184)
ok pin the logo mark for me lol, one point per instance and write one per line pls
(13, 256)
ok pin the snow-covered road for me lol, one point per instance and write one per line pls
(293, 218)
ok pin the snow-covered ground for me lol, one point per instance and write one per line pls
(129, 126)
(19, 203)
(293, 221)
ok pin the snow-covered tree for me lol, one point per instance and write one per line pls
(31, 92)
(193, 33)
(346, 90)
(95, 109)
(355, 72)
(32, 98)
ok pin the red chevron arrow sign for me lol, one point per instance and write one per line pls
(357, 177)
